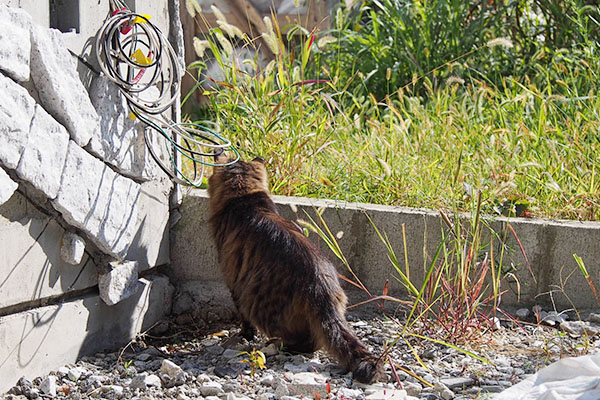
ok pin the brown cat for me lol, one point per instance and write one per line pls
(279, 280)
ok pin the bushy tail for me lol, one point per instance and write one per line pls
(343, 344)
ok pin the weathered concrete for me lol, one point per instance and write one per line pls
(120, 139)
(15, 44)
(72, 248)
(30, 263)
(71, 194)
(150, 244)
(61, 92)
(119, 283)
(39, 15)
(93, 198)
(16, 113)
(7, 187)
(37, 341)
(549, 245)
(91, 17)
(43, 158)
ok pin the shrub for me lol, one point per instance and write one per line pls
(383, 45)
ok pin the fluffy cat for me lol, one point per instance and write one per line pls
(280, 281)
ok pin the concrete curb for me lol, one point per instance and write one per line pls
(549, 246)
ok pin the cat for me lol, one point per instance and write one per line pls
(279, 280)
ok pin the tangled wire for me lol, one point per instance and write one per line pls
(135, 55)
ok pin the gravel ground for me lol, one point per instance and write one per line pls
(208, 365)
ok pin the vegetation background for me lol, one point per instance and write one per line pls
(420, 103)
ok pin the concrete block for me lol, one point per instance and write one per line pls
(95, 199)
(16, 112)
(549, 246)
(91, 16)
(39, 15)
(150, 246)
(31, 266)
(119, 283)
(60, 90)
(7, 187)
(205, 300)
(44, 156)
(72, 247)
(15, 43)
(120, 140)
(32, 343)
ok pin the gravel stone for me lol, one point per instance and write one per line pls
(412, 388)
(307, 384)
(443, 390)
(270, 350)
(579, 328)
(211, 388)
(48, 386)
(143, 381)
(522, 313)
(458, 382)
(74, 374)
(216, 350)
(190, 368)
(230, 353)
(349, 393)
(170, 368)
(594, 318)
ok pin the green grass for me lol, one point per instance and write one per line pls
(532, 140)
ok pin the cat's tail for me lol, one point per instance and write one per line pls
(339, 340)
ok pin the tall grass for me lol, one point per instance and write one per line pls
(457, 296)
(390, 42)
(530, 144)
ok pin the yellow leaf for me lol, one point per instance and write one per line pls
(261, 359)
(325, 180)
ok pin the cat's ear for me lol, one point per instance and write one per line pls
(221, 157)
(260, 160)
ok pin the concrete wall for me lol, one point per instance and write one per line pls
(84, 209)
(549, 246)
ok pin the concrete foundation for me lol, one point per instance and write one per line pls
(37, 341)
(30, 263)
(78, 191)
(549, 246)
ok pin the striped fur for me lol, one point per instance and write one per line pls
(279, 280)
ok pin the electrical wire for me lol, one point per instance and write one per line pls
(134, 54)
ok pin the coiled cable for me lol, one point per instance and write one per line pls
(134, 54)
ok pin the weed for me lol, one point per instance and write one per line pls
(256, 360)
(529, 143)
(457, 299)
(586, 274)
(379, 46)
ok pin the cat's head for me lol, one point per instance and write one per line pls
(238, 179)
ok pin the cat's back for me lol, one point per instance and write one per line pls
(251, 228)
